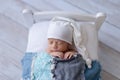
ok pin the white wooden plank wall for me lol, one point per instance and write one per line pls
(13, 39)
(14, 31)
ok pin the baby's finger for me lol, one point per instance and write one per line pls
(61, 55)
(70, 56)
(66, 56)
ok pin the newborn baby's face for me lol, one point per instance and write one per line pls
(56, 45)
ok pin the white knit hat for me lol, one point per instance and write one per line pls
(64, 29)
(60, 30)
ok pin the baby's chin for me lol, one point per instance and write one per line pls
(55, 51)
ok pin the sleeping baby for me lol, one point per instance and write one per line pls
(61, 60)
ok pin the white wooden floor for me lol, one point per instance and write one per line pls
(14, 32)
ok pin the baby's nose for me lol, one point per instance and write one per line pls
(54, 45)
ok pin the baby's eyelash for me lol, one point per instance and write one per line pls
(59, 42)
(50, 42)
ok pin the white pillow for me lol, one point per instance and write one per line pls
(37, 40)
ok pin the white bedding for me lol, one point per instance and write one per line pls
(37, 40)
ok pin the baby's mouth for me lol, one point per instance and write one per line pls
(54, 50)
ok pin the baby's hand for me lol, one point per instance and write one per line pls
(69, 54)
(57, 54)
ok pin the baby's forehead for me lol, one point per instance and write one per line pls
(58, 40)
(53, 39)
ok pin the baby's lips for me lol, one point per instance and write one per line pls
(53, 50)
